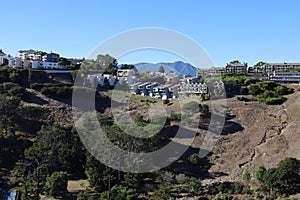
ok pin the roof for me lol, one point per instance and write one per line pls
(236, 65)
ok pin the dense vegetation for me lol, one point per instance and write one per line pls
(267, 92)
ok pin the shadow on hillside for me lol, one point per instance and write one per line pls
(230, 127)
(30, 97)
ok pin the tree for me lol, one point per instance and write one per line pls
(246, 176)
(235, 62)
(194, 185)
(55, 149)
(260, 173)
(8, 106)
(106, 63)
(56, 184)
(63, 61)
(284, 179)
(161, 69)
(259, 64)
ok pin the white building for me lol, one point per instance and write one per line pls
(284, 77)
(280, 67)
(50, 65)
(126, 76)
(15, 62)
(36, 64)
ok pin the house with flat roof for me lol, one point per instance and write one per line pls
(285, 77)
(280, 67)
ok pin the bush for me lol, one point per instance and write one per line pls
(238, 188)
(166, 101)
(204, 108)
(269, 92)
(221, 188)
(57, 91)
(122, 193)
(56, 184)
(34, 112)
(16, 91)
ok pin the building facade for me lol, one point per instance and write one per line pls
(280, 67)
(236, 68)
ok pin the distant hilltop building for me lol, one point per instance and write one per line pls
(280, 67)
(3, 58)
(37, 59)
(284, 77)
(31, 54)
(230, 68)
(236, 68)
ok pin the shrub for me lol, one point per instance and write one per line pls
(166, 101)
(16, 91)
(238, 188)
(57, 91)
(221, 188)
(56, 184)
(204, 108)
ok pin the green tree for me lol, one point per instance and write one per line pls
(8, 106)
(56, 184)
(161, 69)
(235, 62)
(259, 64)
(260, 173)
(246, 176)
(122, 193)
(194, 186)
(284, 179)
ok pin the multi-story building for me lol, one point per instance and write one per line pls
(30, 54)
(280, 67)
(15, 62)
(283, 77)
(51, 57)
(215, 71)
(236, 68)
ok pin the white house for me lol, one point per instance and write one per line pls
(50, 65)
(126, 76)
(15, 62)
(36, 64)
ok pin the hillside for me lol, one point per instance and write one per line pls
(257, 135)
(254, 134)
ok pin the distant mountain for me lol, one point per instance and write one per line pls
(178, 67)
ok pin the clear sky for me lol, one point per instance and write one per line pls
(249, 31)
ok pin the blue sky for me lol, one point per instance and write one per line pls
(249, 31)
